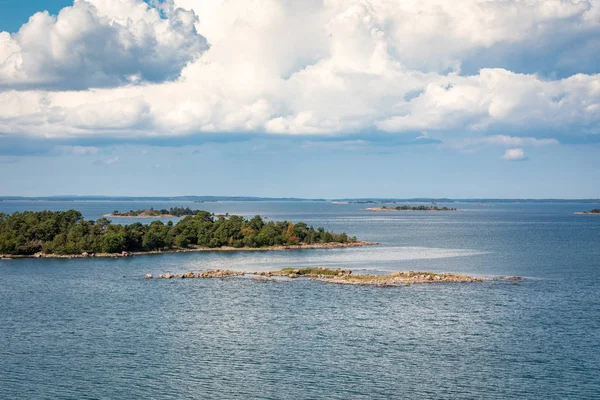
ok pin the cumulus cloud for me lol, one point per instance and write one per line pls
(514, 155)
(100, 43)
(315, 67)
(426, 35)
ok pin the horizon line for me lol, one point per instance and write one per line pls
(290, 198)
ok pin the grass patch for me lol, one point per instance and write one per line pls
(310, 271)
(345, 276)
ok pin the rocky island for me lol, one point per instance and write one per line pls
(339, 276)
(411, 208)
(66, 234)
(595, 211)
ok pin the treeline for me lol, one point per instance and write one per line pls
(174, 211)
(66, 232)
(594, 211)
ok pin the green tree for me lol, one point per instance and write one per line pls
(113, 242)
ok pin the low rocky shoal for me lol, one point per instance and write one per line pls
(339, 276)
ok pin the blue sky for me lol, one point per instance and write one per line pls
(364, 99)
(16, 13)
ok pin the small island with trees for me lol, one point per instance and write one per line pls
(411, 208)
(68, 234)
(173, 212)
(595, 211)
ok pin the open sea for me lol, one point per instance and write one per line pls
(95, 329)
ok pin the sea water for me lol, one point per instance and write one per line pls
(95, 329)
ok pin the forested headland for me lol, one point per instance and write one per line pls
(68, 233)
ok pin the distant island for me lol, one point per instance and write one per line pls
(594, 211)
(68, 234)
(411, 208)
(173, 212)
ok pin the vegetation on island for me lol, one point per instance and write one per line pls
(422, 208)
(595, 211)
(68, 233)
(346, 276)
(151, 212)
(412, 208)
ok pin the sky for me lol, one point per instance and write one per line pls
(315, 99)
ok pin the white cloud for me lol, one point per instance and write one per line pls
(100, 43)
(427, 35)
(495, 100)
(514, 155)
(311, 67)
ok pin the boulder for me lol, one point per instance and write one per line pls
(148, 276)
(262, 278)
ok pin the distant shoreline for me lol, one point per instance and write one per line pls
(585, 213)
(193, 198)
(380, 209)
(193, 250)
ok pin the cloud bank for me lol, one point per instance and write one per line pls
(451, 70)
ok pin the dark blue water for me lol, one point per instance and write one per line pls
(88, 329)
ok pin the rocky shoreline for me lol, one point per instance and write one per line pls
(340, 276)
(213, 273)
(332, 245)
